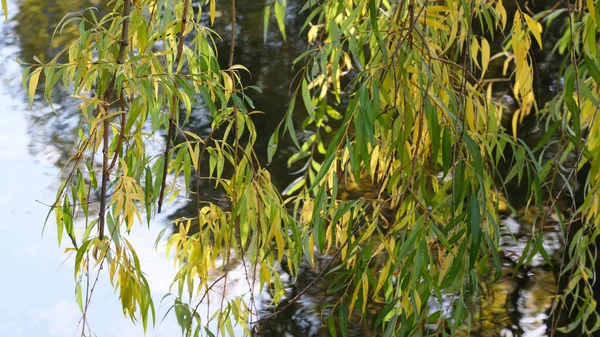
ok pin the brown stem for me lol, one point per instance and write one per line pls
(104, 177)
(233, 22)
(125, 32)
(235, 160)
(173, 109)
(108, 93)
(310, 285)
(121, 133)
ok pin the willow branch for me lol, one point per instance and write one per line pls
(108, 93)
(235, 154)
(173, 108)
(233, 22)
(104, 177)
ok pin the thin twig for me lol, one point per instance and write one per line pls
(121, 133)
(106, 123)
(573, 173)
(324, 270)
(104, 177)
(235, 161)
(174, 108)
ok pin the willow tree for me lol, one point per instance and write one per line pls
(399, 104)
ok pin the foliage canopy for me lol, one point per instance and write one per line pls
(402, 103)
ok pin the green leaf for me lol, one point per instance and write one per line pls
(307, 99)
(294, 186)
(374, 14)
(280, 6)
(187, 169)
(343, 319)
(272, 146)
(592, 68)
(78, 296)
(148, 194)
(475, 220)
(266, 17)
(79, 255)
(434, 127)
(446, 151)
(289, 122)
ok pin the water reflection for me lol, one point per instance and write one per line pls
(37, 285)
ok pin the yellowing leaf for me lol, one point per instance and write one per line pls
(228, 84)
(264, 273)
(470, 113)
(535, 28)
(383, 276)
(33, 81)
(5, 9)
(589, 4)
(365, 291)
(353, 301)
(485, 56)
(417, 299)
(435, 24)
(435, 9)
(312, 34)
(515, 121)
(475, 51)
(213, 11)
(501, 14)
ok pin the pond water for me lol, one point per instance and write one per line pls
(36, 297)
(37, 285)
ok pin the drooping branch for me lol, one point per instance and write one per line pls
(105, 173)
(173, 108)
(106, 123)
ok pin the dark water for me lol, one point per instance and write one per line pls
(517, 304)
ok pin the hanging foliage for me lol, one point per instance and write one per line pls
(403, 141)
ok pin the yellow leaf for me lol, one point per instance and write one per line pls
(435, 9)
(195, 156)
(535, 28)
(374, 161)
(365, 291)
(501, 14)
(5, 9)
(33, 81)
(417, 299)
(506, 64)
(591, 9)
(228, 83)
(515, 121)
(470, 113)
(312, 34)
(280, 245)
(485, 56)
(435, 24)
(213, 10)
(475, 51)
(354, 298)
(383, 276)
(264, 273)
